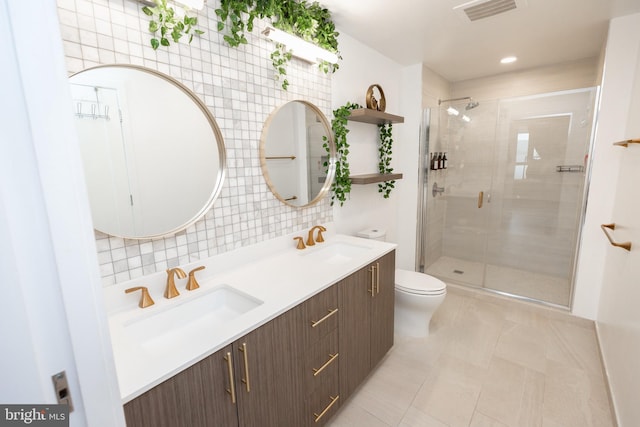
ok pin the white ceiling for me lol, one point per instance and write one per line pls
(429, 31)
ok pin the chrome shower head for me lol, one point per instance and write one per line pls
(472, 104)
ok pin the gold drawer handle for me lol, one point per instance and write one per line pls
(332, 357)
(625, 245)
(232, 389)
(315, 323)
(333, 400)
(480, 199)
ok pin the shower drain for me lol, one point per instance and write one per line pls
(458, 271)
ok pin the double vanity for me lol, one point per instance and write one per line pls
(279, 333)
(273, 336)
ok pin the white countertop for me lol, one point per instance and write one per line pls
(273, 272)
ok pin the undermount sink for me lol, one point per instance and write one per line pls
(210, 311)
(335, 252)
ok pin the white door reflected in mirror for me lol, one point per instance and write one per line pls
(153, 154)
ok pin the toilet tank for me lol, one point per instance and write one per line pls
(373, 233)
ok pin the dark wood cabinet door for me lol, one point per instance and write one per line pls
(196, 397)
(354, 303)
(220, 410)
(382, 306)
(269, 377)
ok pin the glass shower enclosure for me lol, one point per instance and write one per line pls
(508, 218)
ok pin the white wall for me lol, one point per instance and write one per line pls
(362, 66)
(618, 319)
(619, 77)
(51, 314)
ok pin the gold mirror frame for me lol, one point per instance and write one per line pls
(331, 168)
(216, 133)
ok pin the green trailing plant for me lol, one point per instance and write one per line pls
(341, 186)
(309, 21)
(280, 57)
(165, 23)
(384, 158)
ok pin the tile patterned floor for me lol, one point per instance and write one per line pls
(490, 361)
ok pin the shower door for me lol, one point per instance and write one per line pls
(514, 194)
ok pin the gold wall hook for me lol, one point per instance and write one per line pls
(145, 298)
(171, 291)
(193, 283)
(300, 244)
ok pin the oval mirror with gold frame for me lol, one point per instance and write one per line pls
(153, 153)
(295, 163)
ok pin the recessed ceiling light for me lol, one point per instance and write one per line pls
(508, 60)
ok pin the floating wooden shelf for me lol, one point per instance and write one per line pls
(372, 178)
(366, 115)
(627, 142)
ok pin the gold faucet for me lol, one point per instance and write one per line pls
(171, 291)
(300, 244)
(320, 239)
(193, 283)
(145, 298)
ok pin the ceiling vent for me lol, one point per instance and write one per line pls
(481, 9)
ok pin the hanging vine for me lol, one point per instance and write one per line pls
(341, 186)
(309, 21)
(169, 24)
(384, 158)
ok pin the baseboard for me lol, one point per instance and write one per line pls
(612, 404)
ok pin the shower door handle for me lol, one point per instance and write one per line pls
(480, 199)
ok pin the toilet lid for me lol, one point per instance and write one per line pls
(419, 283)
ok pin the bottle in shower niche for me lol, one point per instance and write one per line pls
(445, 161)
(439, 161)
(432, 162)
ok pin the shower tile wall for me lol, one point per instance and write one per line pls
(527, 224)
(435, 205)
(471, 150)
(238, 87)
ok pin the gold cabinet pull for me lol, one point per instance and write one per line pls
(612, 226)
(332, 357)
(377, 277)
(480, 199)
(321, 414)
(373, 281)
(232, 388)
(315, 323)
(244, 351)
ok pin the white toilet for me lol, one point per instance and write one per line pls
(417, 295)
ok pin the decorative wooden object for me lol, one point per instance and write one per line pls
(373, 104)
